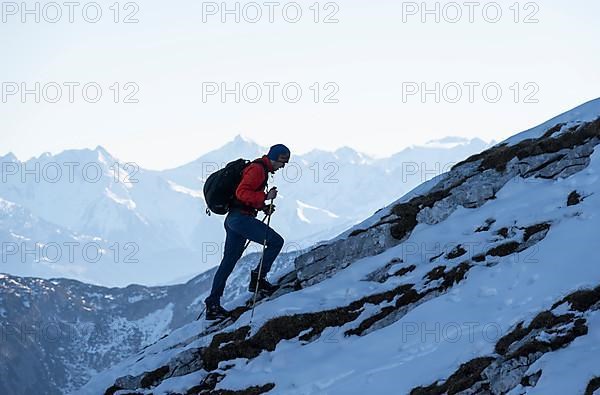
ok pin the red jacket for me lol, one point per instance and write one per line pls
(248, 191)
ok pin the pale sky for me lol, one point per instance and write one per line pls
(371, 55)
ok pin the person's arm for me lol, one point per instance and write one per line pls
(246, 192)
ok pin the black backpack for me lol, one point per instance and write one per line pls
(220, 186)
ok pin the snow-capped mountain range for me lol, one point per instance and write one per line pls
(482, 280)
(86, 215)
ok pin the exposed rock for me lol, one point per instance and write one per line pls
(405, 295)
(488, 224)
(254, 390)
(382, 274)
(502, 232)
(321, 263)
(581, 300)
(532, 379)
(592, 386)
(152, 378)
(207, 385)
(111, 390)
(504, 375)
(456, 252)
(504, 249)
(535, 229)
(573, 198)
(465, 377)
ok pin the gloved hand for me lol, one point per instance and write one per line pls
(268, 209)
(271, 194)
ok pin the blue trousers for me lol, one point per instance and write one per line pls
(240, 228)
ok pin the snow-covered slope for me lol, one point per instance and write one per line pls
(484, 280)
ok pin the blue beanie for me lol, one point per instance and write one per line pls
(276, 150)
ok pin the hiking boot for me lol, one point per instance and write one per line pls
(214, 311)
(264, 286)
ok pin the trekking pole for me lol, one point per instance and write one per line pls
(261, 261)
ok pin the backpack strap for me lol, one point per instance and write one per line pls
(262, 163)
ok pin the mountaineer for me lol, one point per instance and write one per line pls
(241, 224)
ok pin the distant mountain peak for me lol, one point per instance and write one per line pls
(240, 145)
(241, 142)
(10, 157)
(104, 155)
(350, 154)
(101, 149)
(240, 138)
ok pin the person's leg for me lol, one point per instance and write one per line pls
(234, 247)
(252, 229)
